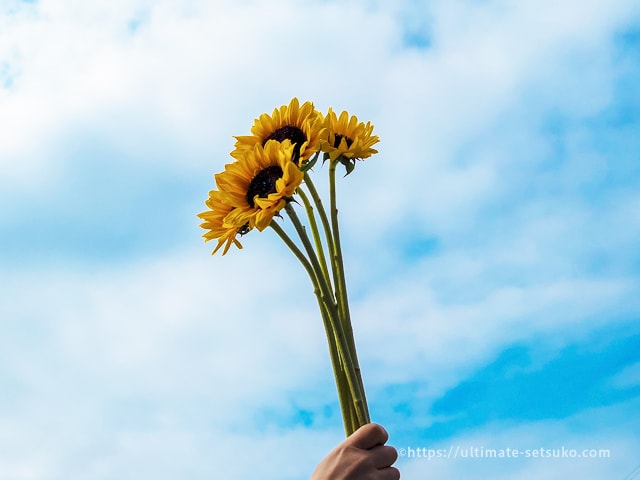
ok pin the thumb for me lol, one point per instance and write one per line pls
(368, 436)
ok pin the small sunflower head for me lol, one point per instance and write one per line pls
(347, 139)
(259, 184)
(302, 125)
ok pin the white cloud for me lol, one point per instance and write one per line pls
(139, 367)
(192, 73)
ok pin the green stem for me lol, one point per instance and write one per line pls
(314, 230)
(349, 414)
(338, 371)
(325, 224)
(346, 353)
(344, 395)
(341, 283)
(336, 268)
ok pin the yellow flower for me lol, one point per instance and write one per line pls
(259, 184)
(302, 125)
(214, 221)
(347, 137)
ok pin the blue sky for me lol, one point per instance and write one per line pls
(491, 247)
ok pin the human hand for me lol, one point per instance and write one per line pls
(362, 456)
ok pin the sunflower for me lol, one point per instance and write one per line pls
(214, 221)
(302, 125)
(346, 137)
(259, 184)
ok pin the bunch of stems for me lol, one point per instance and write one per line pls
(323, 263)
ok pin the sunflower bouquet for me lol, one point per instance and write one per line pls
(271, 173)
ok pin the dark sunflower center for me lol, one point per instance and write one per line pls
(338, 139)
(263, 183)
(289, 132)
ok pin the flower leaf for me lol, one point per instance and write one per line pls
(308, 165)
(349, 164)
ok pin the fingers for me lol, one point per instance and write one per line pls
(389, 473)
(371, 439)
(362, 455)
(383, 456)
(368, 436)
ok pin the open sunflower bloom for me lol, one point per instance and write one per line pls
(271, 173)
(301, 125)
